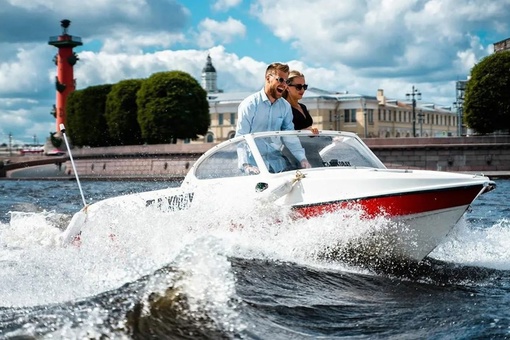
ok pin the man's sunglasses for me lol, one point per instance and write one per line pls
(280, 79)
(299, 87)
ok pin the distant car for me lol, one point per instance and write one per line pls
(55, 152)
(32, 150)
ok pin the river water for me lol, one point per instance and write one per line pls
(197, 276)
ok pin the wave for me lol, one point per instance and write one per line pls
(247, 274)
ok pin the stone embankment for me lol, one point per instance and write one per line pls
(488, 155)
(462, 154)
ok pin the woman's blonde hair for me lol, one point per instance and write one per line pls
(292, 74)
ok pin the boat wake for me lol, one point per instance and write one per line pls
(204, 273)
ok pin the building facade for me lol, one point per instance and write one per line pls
(503, 45)
(367, 116)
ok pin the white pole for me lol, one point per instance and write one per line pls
(63, 130)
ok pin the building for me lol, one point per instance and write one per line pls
(503, 45)
(209, 77)
(368, 116)
(460, 93)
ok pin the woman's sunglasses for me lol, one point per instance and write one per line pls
(299, 87)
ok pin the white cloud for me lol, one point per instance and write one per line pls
(130, 42)
(352, 45)
(383, 36)
(225, 5)
(212, 32)
(23, 72)
(76, 7)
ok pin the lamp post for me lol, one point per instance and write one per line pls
(414, 93)
(364, 106)
(458, 107)
(10, 144)
(420, 119)
(338, 117)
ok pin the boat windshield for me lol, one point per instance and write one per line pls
(320, 151)
(283, 152)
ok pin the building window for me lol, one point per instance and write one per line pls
(370, 113)
(220, 118)
(232, 119)
(209, 138)
(350, 116)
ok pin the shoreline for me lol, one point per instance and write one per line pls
(98, 178)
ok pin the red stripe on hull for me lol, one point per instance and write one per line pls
(398, 204)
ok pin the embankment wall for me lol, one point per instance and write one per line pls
(468, 154)
(464, 154)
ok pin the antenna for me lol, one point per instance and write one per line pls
(63, 130)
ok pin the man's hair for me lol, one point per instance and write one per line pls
(277, 67)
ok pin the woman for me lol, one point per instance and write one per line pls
(296, 87)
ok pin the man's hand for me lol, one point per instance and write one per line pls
(305, 164)
(250, 169)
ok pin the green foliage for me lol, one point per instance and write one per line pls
(161, 109)
(172, 105)
(86, 116)
(121, 113)
(75, 118)
(487, 102)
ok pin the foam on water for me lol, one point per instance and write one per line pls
(121, 243)
(478, 246)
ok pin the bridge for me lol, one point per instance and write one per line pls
(26, 161)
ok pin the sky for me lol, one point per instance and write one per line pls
(358, 46)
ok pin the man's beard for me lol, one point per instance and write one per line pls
(273, 92)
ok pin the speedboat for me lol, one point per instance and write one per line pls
(341, 174)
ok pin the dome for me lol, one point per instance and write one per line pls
(209, 66)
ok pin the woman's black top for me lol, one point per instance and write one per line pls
(301, 121)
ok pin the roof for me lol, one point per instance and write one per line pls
(311, 93)
(209, 66)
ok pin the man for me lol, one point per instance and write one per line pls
(266, 110)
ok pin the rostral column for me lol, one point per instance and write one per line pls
(64, 60)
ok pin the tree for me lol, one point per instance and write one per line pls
(487, 103)
(86, 116)
(121, 113)
(172, 105)
(75, 118)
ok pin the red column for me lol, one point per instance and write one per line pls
(65, 61)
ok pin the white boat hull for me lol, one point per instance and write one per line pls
(423, 206)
